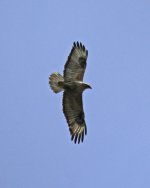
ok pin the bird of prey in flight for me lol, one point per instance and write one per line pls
(72, 85)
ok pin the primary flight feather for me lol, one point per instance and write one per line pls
(73, 86)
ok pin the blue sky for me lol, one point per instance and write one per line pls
(35, 40)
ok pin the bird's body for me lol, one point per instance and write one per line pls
(73, 86)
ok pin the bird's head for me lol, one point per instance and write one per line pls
(86, 86)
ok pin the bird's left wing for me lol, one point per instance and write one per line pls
(73, 110)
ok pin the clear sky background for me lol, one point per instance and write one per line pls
(36, 37)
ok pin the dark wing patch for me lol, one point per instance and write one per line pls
(73, 111)
(76, 64)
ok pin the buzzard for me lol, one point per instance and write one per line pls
(73, 86)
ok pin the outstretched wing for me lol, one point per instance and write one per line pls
(76, 63)
(73, 110)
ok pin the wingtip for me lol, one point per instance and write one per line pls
(74, 44)
(80, 45)
(77, 136)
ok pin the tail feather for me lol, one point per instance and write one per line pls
(56, 82)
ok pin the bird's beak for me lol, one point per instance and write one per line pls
(89, 87)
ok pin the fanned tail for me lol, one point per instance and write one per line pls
(56, 81)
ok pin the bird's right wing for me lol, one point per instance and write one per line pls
(76, 64)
